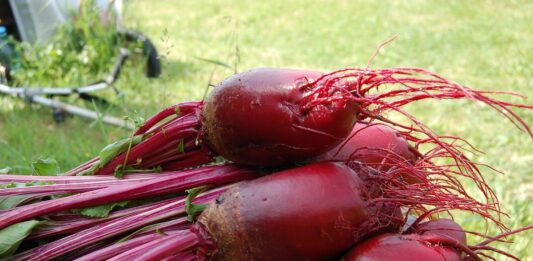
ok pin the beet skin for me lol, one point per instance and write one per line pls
(438, 240)
(315, 212)
(257, 118)
(374, 144)
(378, 146)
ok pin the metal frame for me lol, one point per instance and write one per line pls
(36, 95)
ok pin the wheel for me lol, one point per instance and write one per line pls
(153, 64)
(59, 115)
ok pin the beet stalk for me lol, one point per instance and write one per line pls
(167, 184)
(112, 228)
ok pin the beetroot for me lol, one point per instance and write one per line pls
(256, 118)
(374, 145)
(402, 248)
(440, 239)
(313, 212)
(432, 240)
(378, 146)
(445, 228)
(270, 117)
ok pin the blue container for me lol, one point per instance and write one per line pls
(6, 50)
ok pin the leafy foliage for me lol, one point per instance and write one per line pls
(12, 236)
(100, 211)
(80, 52)
(46, 167)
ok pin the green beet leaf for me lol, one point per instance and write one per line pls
(46, 167)
(100, 211)
(12, 201)
(192, 209)
(8, 202)
(112, 150)
(12, 236)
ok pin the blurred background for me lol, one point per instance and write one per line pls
(482, 44)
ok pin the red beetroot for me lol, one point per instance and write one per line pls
(445, 228)
(256, 118)
(440, 239)
(397, 247)
(377, 145)
(270, 117)
(313, 212)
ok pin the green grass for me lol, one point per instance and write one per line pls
(485, 44)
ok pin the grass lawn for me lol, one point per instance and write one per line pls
(484, 44)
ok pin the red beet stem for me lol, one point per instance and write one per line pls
(171, 148)
(173, 224)
(178, 183)
(82, 167)
(112, 228)
(154, 142)
(197, 159)
(157, 143)
(191, 158)
(72, 179)
(184, 256)
(178, 109)
(56, 189)
(118, 248)
(161, 247)
(69, 226)
(188, 144)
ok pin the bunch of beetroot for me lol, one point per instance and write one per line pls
(276, 164)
